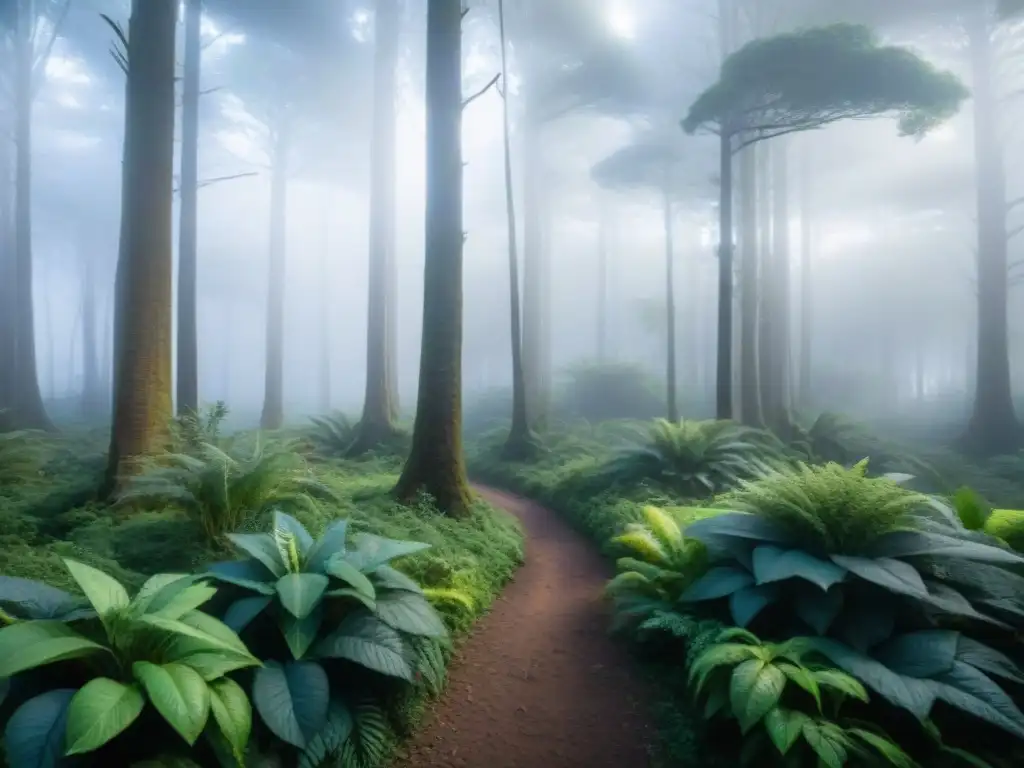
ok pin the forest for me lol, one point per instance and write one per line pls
(511, 383)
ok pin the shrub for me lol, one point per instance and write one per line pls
(21, 455)
(870, 568)
(334, 434)
(192, 430)
(331, 607)
(697, 458)
(223, 492)
(156, 649)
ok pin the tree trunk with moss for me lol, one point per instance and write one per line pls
(379, 404)
(142, 408)
(188, 341)
(435, 464)
(273, 378)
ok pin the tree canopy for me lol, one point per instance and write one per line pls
(807, 79)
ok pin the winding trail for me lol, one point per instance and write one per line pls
(539, 684)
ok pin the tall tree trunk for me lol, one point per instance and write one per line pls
(92, 386)
(435, 462)
(49, 340)
(7, 287)
(324, 362)
(776, 306)
(764, 184)
(723, 370)
(28, 410)
(993, 427)
(273, 380)
(533, 265)
(806, 251)
(143, 407)
(188, 341)
(377, 425)
(750, 395)
(672, 390)
(518, 442)
(602, 281)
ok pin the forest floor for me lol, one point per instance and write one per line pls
(539, 682)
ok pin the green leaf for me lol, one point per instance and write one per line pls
(804, 678)
(104, 592)
(34, 735)
(27, 599)
(208, 626)
(718, 582)
(717, 700)
(735, 525)
(919, 654)
(233, 715)
(755, 689)
(295, 528)
(372, 551)
(819, 609)
(300, 633)
(745, 604)
(162, 585)
(392, 578)
(364, 639)
(179, 694)
(774, 564)
(894, 575)
(828, 743)
(969, 690)
(29, 644)
(292, 699)
(224, 639)
(987, 659)
(348, 592)
(184, 601)
(210, 661)
(247, 574)
(867, 622)
(784, 727)
(300, 593)
(899, 544)
(892, 754)
(330, 543)
(242, 612)
(721, 655)
(842, 682)
(411, 613)
(340, 568)
(100, 711)
(331, 738)
(261, 547)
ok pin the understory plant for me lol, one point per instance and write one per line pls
(333, 434)
(224, 492)
(785, 700)
(21, 455)
(332, 623)
(193, 429)
(889, 584)
(698, 458)
(114, 663)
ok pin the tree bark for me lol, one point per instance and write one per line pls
(519, 441)
(92, 385)
(750, 395)
(671, 388)
(993, 427)
(806, 251)
(273, 380)
(143, 408)
(188, 342)
(533, 266)
(435, 464)
(723, 372)
(7, 288)
(776, 306)
(377, 423)
(27, 406)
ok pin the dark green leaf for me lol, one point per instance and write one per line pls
(411, 613)
(919, 654)
(827, 741)
(372, 551)
(718, 582)
(736, 525)
(774, 564)
(818, 609)
(300, 593)
(364, 639)
(340, 568)
(331, 737)
(784, 727)
(893, 575)
(99, 711)
(248, 574)
(745, 604)
(242, 612)
(292, 699)
(29, 644)
(755, 690)
(300, 633)
(987, 659)
(261, 547)
(901, 544)
(27, 599)
(288, 523)
(392, 578)
(969, 690)
(330, 543)
(34, 735)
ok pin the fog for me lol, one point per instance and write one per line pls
(892, 234)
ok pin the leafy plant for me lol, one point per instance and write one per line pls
(192, 430)
(331, 605)
(971, 508)
(21, 455)
(155, 649)
(863, 563)
(796, 700)
(223, 492)
(334, 434)
(696, 458)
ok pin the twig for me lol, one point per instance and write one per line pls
(217, 179)
(469, 100)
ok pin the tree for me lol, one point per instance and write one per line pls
(143, 295)
(435, 463)
(803, 81)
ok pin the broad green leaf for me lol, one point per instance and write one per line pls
(867, 622)
(34, 735)
(736, 525)
(29, 644)
(247, 574)
(340, 568)
(211, 627)
(184, 601)
(165, 585)
(988, 660)
(331, 738)
(233, 714)
(842, 682)
(718, 582)
(971, 691)
(894, 575)
(717, 701)
(411, 613)
(28, 599)
(755, 689)
(104, 592)
(101, 710)
(364, 639)
(330, 543)
(804, 678)
(828, 742)
(819, 609)
(211, 662)
(784, 727)
(261, 547)
(300, 633)
(899, 544)
(775, 564)
(372, 551)
(179, 694)
(300, 593)
(295, 528)
(892, 754)
(721, 655)
(292, 699)
(242, 612)
(745, 604)
(948, 600)
(349, 593)
(392, 578)
(919, 654)
(180, 627)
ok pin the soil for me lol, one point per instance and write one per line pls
(539, 684)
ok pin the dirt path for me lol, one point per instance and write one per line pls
(539, 684)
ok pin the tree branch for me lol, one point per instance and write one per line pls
(39, 65)
(218, 179)
(470, 99)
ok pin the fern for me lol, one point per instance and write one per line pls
(371, 739)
